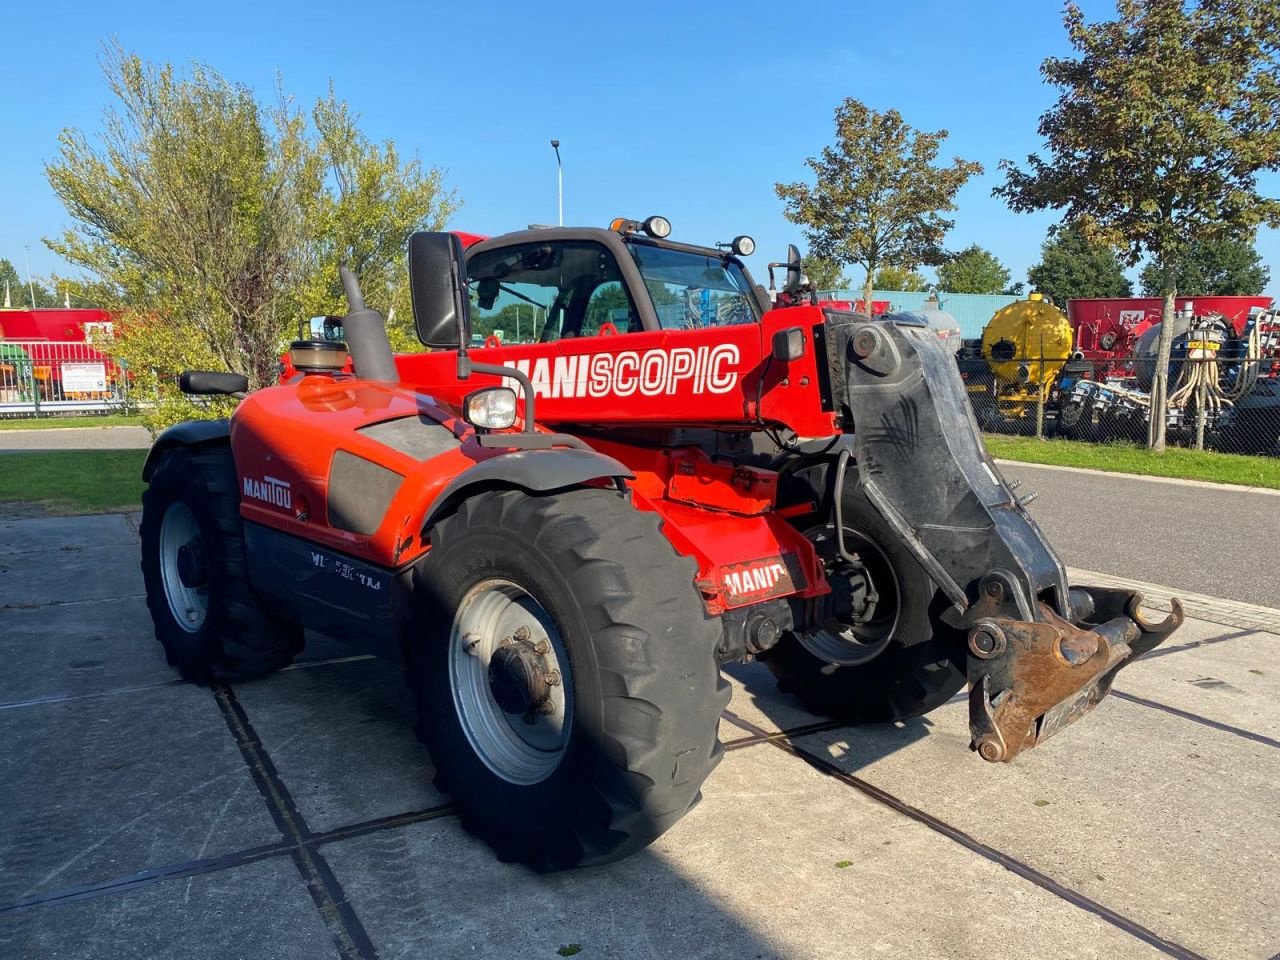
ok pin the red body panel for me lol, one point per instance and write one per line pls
(284, 439)
(708, 376)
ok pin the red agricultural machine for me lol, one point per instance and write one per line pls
(564, 540)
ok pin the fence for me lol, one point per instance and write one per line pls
(46, 378)
(1218, 403)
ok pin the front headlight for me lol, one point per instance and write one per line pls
(493, 408)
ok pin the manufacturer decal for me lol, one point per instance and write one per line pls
(759, 579)
(269, 490)
(345, 570)
(649, 373)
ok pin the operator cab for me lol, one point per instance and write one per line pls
(554, 283)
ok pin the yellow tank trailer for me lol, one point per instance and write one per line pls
(1024, 345)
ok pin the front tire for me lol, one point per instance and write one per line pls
(207, 617)
(906, 662)
(565, 675)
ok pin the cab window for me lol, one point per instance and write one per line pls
(692, 290)
(537, 292)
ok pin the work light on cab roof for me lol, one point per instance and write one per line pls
(657, 227)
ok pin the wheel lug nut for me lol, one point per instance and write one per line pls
(541, 647)
(522, 633)
(552, 678)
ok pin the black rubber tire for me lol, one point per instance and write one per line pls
(647, 688)
(239, 639)
(921, 668)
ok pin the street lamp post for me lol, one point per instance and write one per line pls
(555, 145)
(31, 287)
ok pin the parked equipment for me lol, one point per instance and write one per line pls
(1223, 376)
(564, 540)
(1023, 347)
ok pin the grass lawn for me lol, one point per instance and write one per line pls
(47, 423)
(1130, 458)
(74, 481)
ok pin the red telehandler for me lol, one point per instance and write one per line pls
(565, 539)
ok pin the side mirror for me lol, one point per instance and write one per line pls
(438, 290)
(794, 272)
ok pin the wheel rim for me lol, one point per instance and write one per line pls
(179, 531)
(853, 644)
(512, 686)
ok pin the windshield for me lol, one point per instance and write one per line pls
(691, 290)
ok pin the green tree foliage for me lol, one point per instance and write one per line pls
(1072, 267)
(877, 197)
(20, 292)
(973, 270)
(825, 274)
(1226, 267)
(900, 278)
(1166, 116)
(213, 223)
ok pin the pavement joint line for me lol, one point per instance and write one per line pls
(1197, 718)
(362, 828)
(752, 740)
(74, 697)
(339, 916)
(328, 661)
(1010, 863)
(116, 691)
(1177, 481)
(229, 861)
(68, 603)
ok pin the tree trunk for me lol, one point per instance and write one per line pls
(866, 290)
(1160, 378)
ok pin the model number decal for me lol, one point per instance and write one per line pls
(345, 571)
(269, 490)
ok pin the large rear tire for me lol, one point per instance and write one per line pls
(907, 661)
(194, 566)
(565, 675)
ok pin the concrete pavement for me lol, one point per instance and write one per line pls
(295, 817)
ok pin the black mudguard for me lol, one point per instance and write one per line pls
(537, 471)
(187, 434)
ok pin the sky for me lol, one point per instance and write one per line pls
(689, 110)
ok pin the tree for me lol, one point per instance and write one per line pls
(1226, 267)
(899, 278)
(213, 224)
(877, 198)
(1071, 266)
(973, 270)
(1164, 120)
(824, 274)
(20, 291)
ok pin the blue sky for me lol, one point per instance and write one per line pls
(691, 110)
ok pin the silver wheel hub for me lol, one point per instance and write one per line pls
(868, 627)
(509, 673)
(184, 567)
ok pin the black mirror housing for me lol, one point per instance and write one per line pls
(794, 270)
(438, 290)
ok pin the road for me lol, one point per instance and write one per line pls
(1213, 540)
(75, 438)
